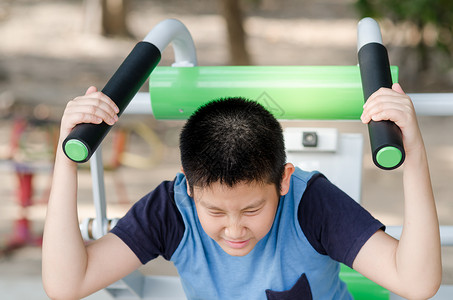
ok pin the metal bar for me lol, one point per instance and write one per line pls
(97, 176)
(433, 104)
(426, 104)
(140, 105)
(174, 32)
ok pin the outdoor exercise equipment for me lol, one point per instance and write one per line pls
(125, 83)
(328, 93)
(385, 137)
(289, 92)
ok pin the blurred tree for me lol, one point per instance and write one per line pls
(232, 13)
(107, 17)
(429, 16)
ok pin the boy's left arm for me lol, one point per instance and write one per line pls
(410, 267)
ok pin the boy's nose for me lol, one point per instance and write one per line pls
(235, 231)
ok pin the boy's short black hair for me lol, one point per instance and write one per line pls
(230, 141)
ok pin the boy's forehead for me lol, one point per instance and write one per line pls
(218, 187)
(245, 191)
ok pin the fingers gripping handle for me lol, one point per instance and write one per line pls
(121, 88)
(385, 136)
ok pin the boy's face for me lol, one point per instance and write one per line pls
(238, 217)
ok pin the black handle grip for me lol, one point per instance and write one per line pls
(385, 136)
(121, 88)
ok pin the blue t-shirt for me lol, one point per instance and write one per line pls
(334, 226)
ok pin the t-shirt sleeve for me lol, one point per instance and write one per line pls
(333, 222)
(153, 226)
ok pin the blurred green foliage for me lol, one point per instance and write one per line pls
(437, 14)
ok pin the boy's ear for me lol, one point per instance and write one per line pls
(188, 188)
(187, 183)
(284, 186)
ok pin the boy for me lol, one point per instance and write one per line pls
(242, 223)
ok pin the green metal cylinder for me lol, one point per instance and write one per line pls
(288, 92)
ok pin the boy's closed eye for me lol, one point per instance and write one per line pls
(247, 212)
(252, 212)
(216, 213)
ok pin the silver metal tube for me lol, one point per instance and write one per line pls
(97, 177)
(368, 31)
(173, 31)
(433, 104)
(140, 105)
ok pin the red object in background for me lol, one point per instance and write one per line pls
(19, 126)
(25, 190)
(22, 236)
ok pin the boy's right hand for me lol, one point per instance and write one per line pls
(94, 107)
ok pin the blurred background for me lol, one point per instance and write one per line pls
(51, 51)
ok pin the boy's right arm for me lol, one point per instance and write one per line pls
(70, 270)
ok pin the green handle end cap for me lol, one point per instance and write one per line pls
(389, 157)
(76, 150)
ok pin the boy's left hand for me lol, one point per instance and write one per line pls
(394, 105)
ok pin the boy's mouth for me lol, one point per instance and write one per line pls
(237, 244)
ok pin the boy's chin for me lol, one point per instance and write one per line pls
(237, 252)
